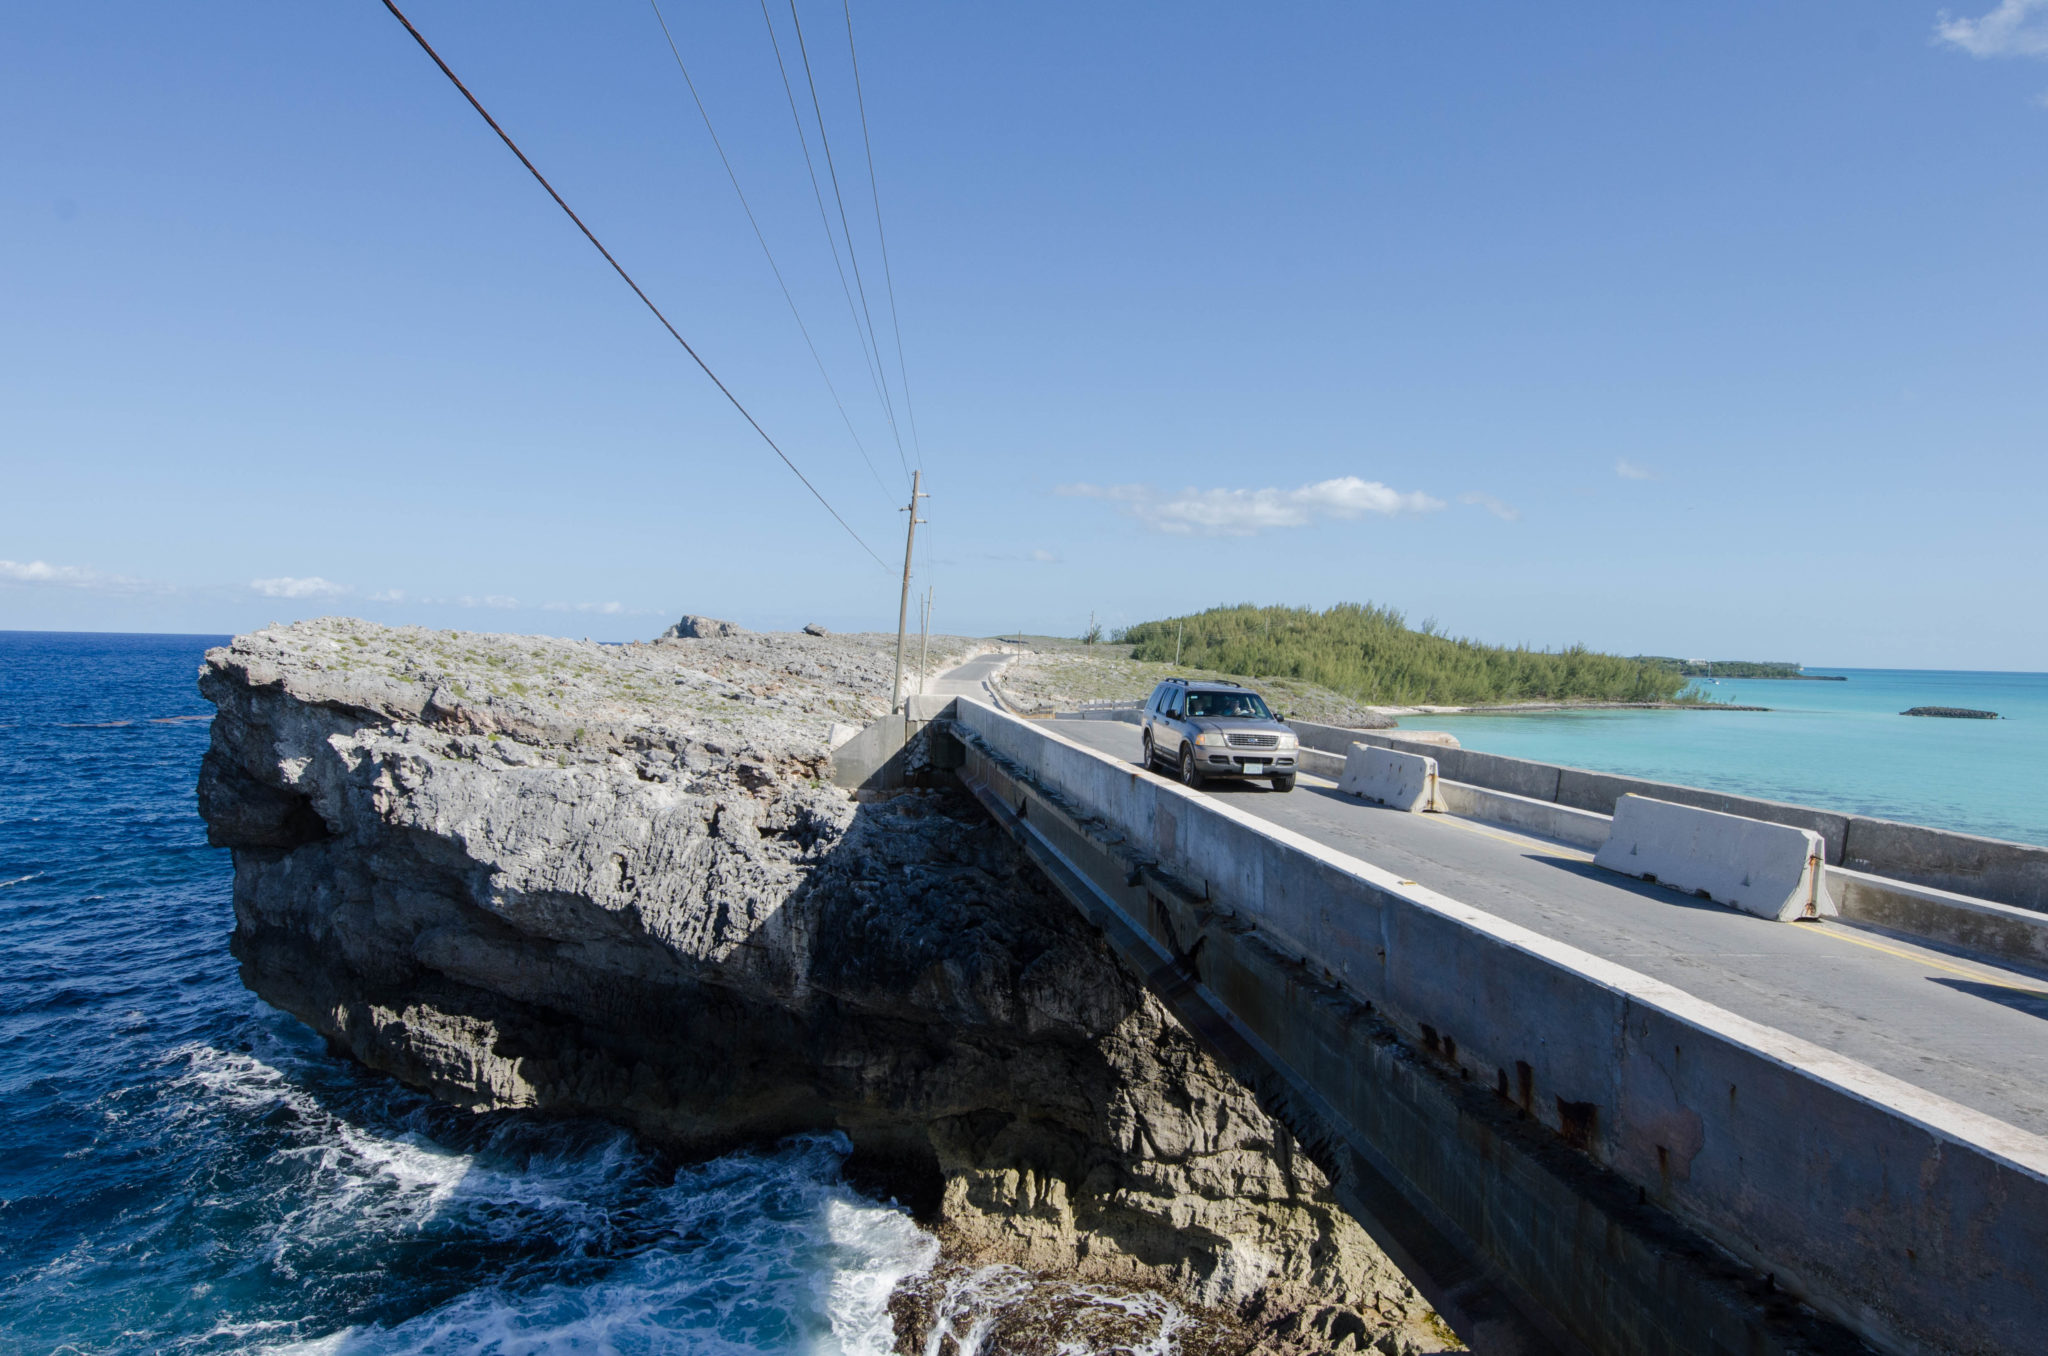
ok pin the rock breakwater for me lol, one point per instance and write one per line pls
(530, 873)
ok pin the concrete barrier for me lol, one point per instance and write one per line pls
(1602, 792)
(1993, 869)
(1771, 870)
(1335, 739)
(1400, 781)
(1962, 863)
(1915, 1222)
(1940, 915)
(1317, 763)
(1580, 828)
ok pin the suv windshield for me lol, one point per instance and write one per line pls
(1245, 705)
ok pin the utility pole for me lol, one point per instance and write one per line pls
(903, 607)
(1179, 629)
(924, 638)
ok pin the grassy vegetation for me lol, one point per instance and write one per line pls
(1372, 655)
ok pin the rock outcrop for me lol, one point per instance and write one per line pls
(702, 628)
(521, 872)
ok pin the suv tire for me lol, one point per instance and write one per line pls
(1151, 756)
(1284, 783)
(1190, 775)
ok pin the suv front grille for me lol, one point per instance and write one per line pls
(1253, 741)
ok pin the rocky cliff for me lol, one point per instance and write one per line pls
(523, 872)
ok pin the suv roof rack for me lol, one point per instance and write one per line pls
(1203, 682)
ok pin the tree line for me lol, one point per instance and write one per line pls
(1371, 654)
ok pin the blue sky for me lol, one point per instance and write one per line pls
(1697, 330)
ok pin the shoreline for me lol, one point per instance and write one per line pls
(1538, 708)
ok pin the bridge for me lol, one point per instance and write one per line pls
(1583, 1112)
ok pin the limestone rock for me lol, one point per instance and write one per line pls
(813, 629)
(585, 879)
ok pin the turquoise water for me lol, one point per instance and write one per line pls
(1840, 746)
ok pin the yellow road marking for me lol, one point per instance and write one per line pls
(1538, 845)
(1991, 977)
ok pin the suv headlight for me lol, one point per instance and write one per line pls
(1209, 739)
(1288, 741)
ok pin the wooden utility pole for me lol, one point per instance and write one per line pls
(903, 607)
(924, 638)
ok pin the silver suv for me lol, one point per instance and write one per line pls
(1204, 730)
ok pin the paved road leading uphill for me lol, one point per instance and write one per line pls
(1969, 1031)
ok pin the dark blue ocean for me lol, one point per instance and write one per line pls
(185, 1170)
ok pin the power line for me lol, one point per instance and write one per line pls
(852, 255)
(832, 241)
(888, 277)
(769, 254)
(541, 179)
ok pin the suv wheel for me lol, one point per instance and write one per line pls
(1151, 759)
(1189, 774)
(1284, 783)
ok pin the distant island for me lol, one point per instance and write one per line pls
(1951, 712)
(1736, 668)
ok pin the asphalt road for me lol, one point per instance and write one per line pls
(970, 679)
(1971, 1031)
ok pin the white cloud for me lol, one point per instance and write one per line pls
(497, 600)
(2015, 28)
(1505, 511)
(42, 572)
(1241, 513)
(73, 576)
(608, 609)
(284, 586)
(1041, 556)
(1628, 470)
(388, 596)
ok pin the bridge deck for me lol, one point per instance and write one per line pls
(1973, 1032)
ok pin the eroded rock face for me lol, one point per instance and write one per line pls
(532, 873)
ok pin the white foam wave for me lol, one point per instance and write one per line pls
(971, 1310)
(21, 880)
(749, 1254)
(347, 1174)
(969, 1305)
